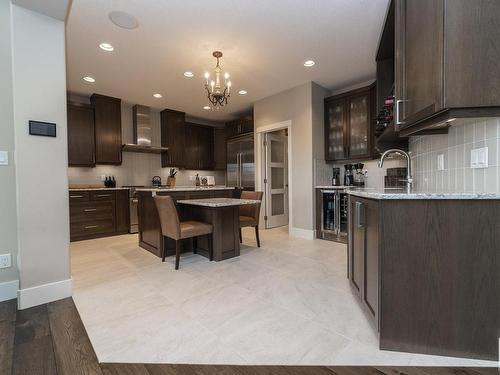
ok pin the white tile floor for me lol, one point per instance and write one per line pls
(288, 302)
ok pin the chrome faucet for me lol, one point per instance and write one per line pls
(409, 178)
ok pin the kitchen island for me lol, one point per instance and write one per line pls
(149, 222)
(426, 267)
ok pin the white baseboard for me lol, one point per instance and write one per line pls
(45, 293)
(8, 290)
(307, 234)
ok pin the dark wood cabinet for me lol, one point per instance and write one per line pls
(416, 265)
(98, 213)
(240, 126)
(81, 141)
(173, 137)
(199, 152)
(447, 56)
(349, 125)
(363, 253)
(220, 149)
(108, 129)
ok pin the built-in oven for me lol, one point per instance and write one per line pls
(334, 215)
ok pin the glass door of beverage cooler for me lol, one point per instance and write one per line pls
(343, 214)
(329, 213)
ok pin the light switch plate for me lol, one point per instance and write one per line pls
(4, 158)
(440, 162)
(479, 157)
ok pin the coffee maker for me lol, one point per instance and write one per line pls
(359, 174)
(348, 176)
(336, 177)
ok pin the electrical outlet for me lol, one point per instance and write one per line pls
(4, 158)
(5, 261)
(103, 177)
(192, 178)
(479, 157)
(440, 162)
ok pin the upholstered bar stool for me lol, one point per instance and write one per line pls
(177, 230)
(250, 214)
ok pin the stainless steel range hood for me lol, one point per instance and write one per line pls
(142, 133)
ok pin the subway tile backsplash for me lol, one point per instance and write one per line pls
(456, 148)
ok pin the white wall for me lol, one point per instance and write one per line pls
(39, 81)
(296, 105)
(8, 223)
(136, 168)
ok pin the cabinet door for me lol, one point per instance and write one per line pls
(206, 142)
(191, 151)
(219, 149)
(371, 259)
(173, 137)
(356, 244)
(335, 129)
(122, 211)
(81, 141)
(108, 129)
(422, 59)
(359, 126)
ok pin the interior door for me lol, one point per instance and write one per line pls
(276, 180)
(233, 166)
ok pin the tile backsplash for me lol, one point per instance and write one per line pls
(136, 168)
(456, 148)
(374, 178)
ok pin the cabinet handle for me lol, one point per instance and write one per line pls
(398, 122)
(90, 209)
(360, 215)
(76, 196)
(90, 226)
(103, 195)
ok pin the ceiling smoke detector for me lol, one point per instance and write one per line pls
(123, 19)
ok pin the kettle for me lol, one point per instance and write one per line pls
(156, 181)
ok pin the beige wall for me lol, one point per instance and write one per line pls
(137, 168)
(41, 162)
(302, 105)
(8, 223)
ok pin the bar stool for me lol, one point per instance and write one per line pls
(177, 230)
(250, 214)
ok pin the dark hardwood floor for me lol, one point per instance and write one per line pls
(51, 339)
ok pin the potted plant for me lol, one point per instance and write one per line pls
(171, 177)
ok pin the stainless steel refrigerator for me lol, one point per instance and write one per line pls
(240, 163)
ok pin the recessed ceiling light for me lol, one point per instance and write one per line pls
(242, 92)
(309, 63)
(206, 108)
(189, 74)
(158, 96)
(89, 79)
(123, 20)
(106, 47)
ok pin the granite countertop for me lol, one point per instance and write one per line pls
(97, 188)
(186, 188)
(218, 202)
(396, 193)
(332, 187)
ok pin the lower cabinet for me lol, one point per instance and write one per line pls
(363, 257)
(98, 213)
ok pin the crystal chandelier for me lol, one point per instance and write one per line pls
(216, 93)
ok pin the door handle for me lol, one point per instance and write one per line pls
(360, 215)
(398, 122)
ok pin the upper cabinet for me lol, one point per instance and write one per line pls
(219, 149)
(447, 58)
(243, 125)
(81, 141)
(199, 152)
(108, 129)
(173, 137)
(349, 125)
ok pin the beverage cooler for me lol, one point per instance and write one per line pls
(334, 215)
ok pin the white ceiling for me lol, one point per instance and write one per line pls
(264, 42)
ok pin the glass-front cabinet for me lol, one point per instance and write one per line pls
(349, 125)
